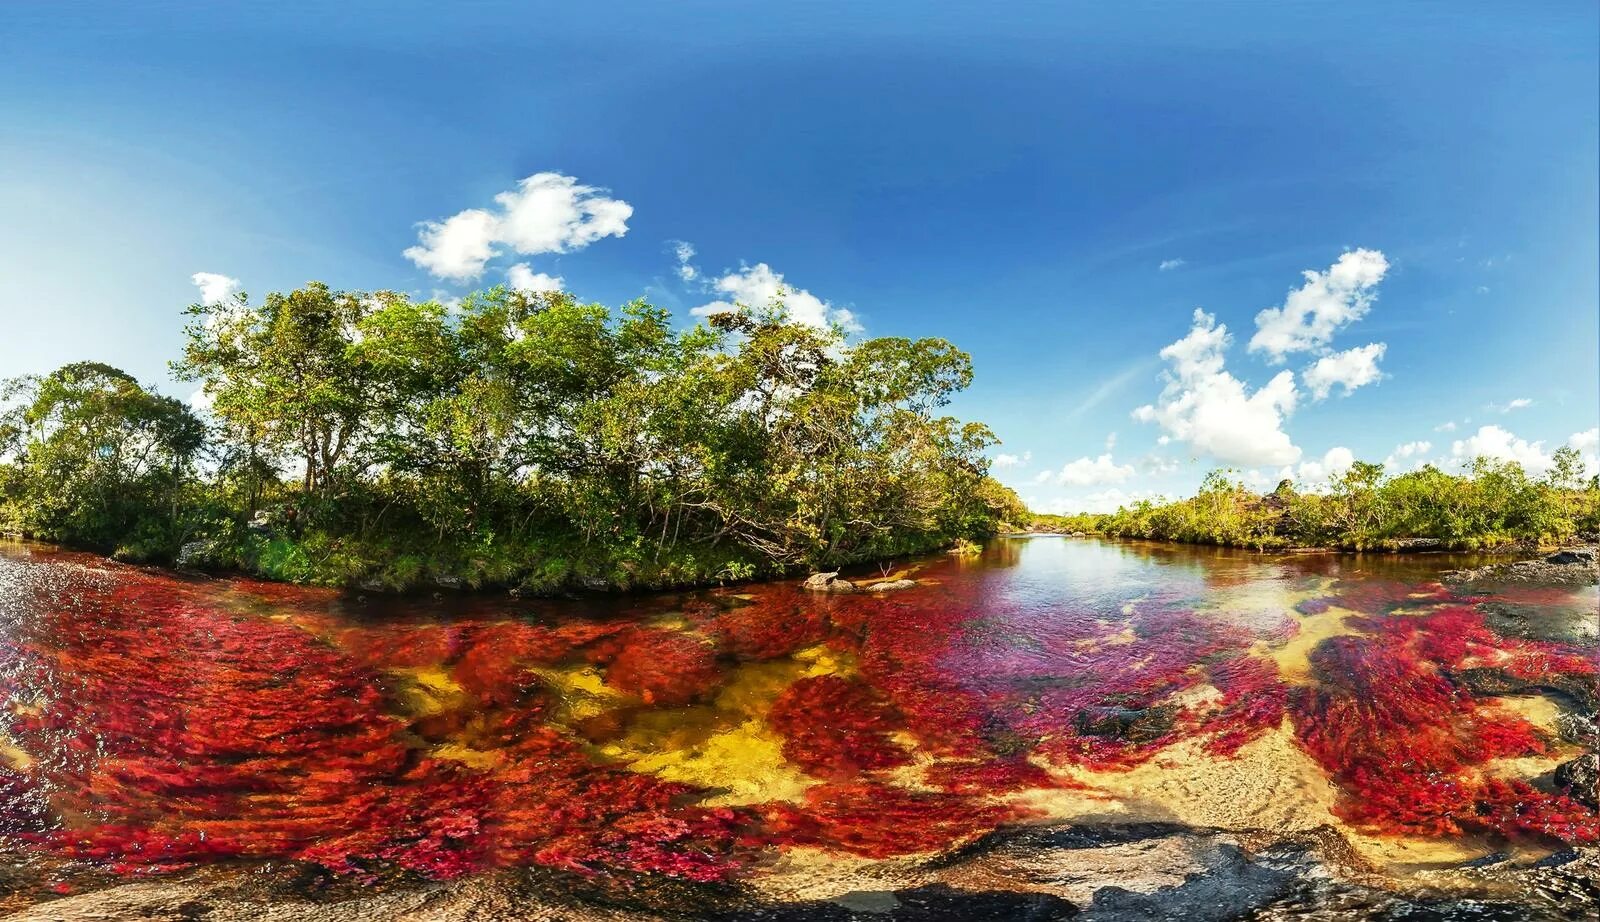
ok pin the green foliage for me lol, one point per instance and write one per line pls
(94, 459)
(521, 439)
(1491, 504)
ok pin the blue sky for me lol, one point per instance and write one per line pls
(1011, 179)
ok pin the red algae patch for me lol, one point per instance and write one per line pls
(155, 723)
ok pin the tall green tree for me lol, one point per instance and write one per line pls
(95, 459)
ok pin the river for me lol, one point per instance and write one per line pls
(1055, 726)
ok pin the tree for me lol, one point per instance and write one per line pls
(98, 460)
(285, 377)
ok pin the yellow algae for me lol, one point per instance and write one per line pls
(13, 756)
(669, 621)
(580, 692)
(1121, 638)
(743, 762)
(726, 745)
(1542, 713)
(822, 660)
(1258, 605)
(425, 691)
(483, 759)
(1293, 656)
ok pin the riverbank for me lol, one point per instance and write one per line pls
(1088, 872)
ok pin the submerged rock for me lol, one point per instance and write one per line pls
(1135, 725)
(1495, 681)
(828, 582)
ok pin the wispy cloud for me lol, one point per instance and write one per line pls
(1110, 386)
(1167, 265)
(1519, 403)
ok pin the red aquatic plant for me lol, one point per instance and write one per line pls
(663, 667)
(1405, 743)
(836, 728)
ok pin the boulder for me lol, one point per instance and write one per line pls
(1579, 556)
(828, 582)
(192, 555)
(890, 585)
(1581, 778)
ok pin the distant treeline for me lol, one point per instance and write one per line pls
(1492, 504)
(512, 439)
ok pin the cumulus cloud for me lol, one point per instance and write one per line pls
(1350, 369)
(1448, 426)
(1412, 453)
(1315, 475)
(759, 287)
(1214, 412)
(1109, 500)
(523, 278)
(1328, 301)
(546, 213)
(215, 287)
(1519, 403)
(1088, 471)
(1501, 445)
(1005, 461)
(1585, 441)
(1167, 265)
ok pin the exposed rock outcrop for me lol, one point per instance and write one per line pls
(828, 582)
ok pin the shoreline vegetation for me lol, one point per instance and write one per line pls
(513, 439)
(1493, 505)
(526, 440)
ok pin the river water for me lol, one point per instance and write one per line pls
(1341, 719)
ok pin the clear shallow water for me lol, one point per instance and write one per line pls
(785, 741)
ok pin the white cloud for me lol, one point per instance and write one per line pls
(1329, 300)
(1044, 476)
(1211, 410)
(1315, 476)
(1005, 461)
(759, 287)
(1586, 442)
(1157, 465)
(1449, 426)
(201, 401)
(1099, 502)
(215, 287)
(1088, 471)
(1499, 444)
(1167, 265)
(1351, 368)
(1412, 452)
(523, 278)
(683, 251)
(546, 213)
(1519, 403)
